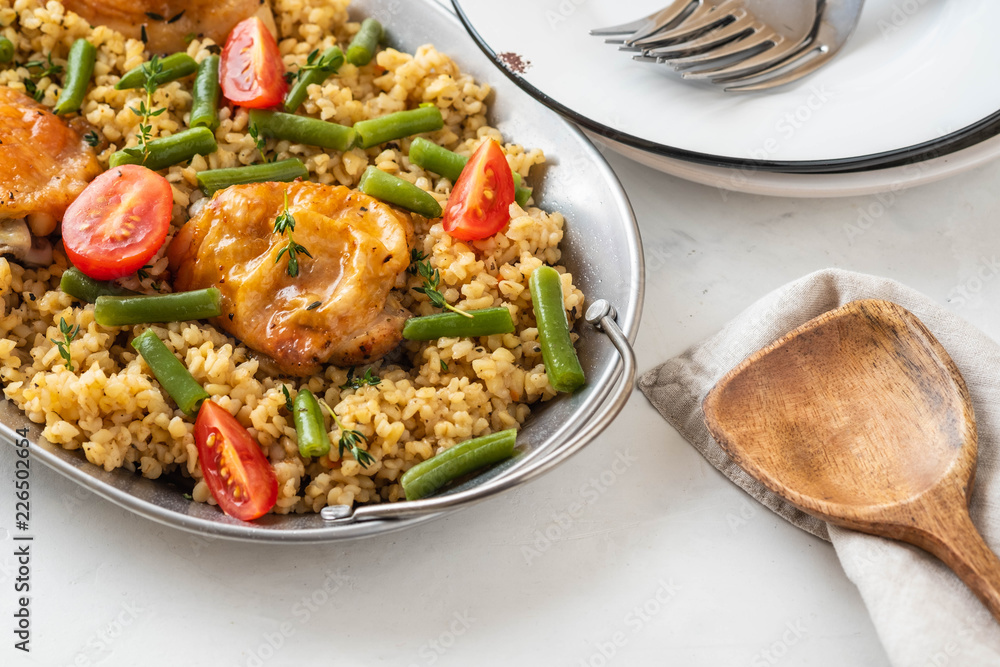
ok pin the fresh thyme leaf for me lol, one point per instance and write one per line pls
(154, 16)
(92, 139)
(288, 398)
(69, 333)
(153, 71)
(258, 141)
(415, 256)
(444, 366)
(190, 37)
(324, 63)
(314, 305)
(176, 17)
(432, 281)
(285, 224)
(368, 379)
(350, 440)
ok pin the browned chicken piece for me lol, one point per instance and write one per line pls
(339, 309)
(44, 165)
(168, 22)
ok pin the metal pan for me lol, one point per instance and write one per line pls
(601, 248)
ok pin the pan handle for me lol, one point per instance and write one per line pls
(600, 314)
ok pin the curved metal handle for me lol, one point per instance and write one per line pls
(602, 315)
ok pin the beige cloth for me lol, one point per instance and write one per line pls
(924, 615)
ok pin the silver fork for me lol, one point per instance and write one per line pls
(742, 45)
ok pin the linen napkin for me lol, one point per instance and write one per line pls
(924, 615)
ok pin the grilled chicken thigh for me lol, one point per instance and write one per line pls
(339, 307)
(168, 22)
(44, 165)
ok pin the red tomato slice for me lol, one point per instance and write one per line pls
(479, 205)
(240, 478)
(118, 222)
(252, 72)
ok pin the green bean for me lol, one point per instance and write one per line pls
(394, 190)
(205, 95)
(365, 43)
(329, 62)
(168, 370)
(166, 151)
(428, 476)
(174, 67)
(116, 311)
(302, 129)
(428, 155)
(213, 180)
(81, 286)
(398, 125)
(6, 50)
(561, 363)
(484, 322)
(310, 426)
(79, 69)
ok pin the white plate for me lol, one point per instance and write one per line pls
(913, 76)
(779, 184)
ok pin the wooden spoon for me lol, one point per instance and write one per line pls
(860, 417)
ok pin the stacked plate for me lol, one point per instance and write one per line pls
(908, 100)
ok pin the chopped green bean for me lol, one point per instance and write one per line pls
(365, 43)
(79, 69)
(172, 375)
(328, 63)
(428, 155)
(397, 125)
(166, 151)
(213, 180)
(428, 476)
(485, 322)
(6, 50)
(175, 66)
(205, 96)
(561, 363)
(310, 426)
(394, 190)
(116, 311)
(81, 286)
(302, 129)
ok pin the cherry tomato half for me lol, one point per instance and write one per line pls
(252, 73)
(479, 205)
(240, 478)
(118, 222)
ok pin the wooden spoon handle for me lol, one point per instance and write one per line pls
(957, 542)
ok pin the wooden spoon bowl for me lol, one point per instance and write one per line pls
(860, 417)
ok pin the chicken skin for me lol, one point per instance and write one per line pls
(44, 164)
(338, 309)
(167, 22)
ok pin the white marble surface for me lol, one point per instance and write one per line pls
(666, 563)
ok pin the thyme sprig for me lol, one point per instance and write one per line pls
(47, 69)
(324, 63)
(69, 333)
(432, 283)
(285, 224)
(365, 380)
(153, 69)
(259, 141)
(350, 440)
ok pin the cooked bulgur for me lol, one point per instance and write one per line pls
(435, 395)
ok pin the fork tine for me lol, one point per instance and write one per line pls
(795, 68)
(702, 19)
(741, 50)
(648, 24)
(713, 39)
(776, 54)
